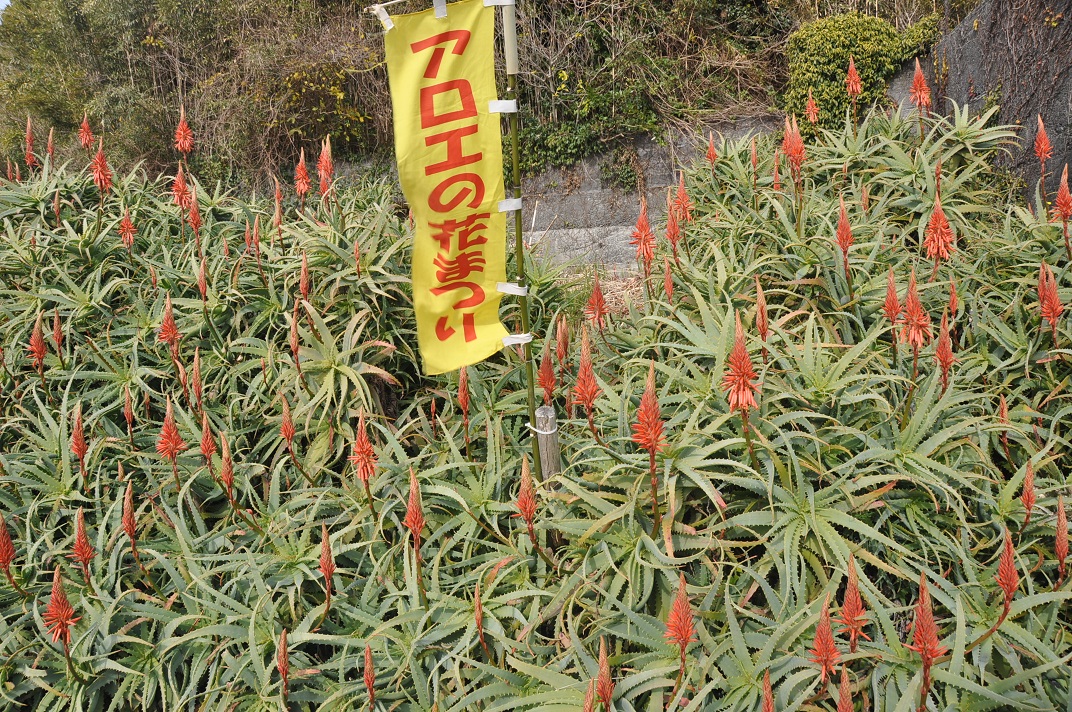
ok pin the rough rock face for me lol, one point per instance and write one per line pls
(1016, 54)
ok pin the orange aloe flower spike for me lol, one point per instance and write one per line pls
(1008, 578)
(169, 443)
(668, 280)
(546, 379)
(596, 309)
(184, 136)
(824, 652)
(1043, 147)
(811, 109)
(938, 240)
(680, 625)
(740, 374)
(168, 332)
(892, 307)
(78, 440)
(852, 609)
(587, 388)
(325, 167)
(853, 84)
(648, 429)
(1027, 494)
(282, 663)
(208, 443)
(59, 616)
(327, 558)
(526, 499)
(643, 238)
(682, 201)
(370, 677)
(37, 348)
(301, 177)
(364, 454)
(604, 681)
(31, 159)
(943, 354)
(85, 133)
(82, 551)
(925, 639)
(414, 520)
(1060, 545)
(7, 551)
(98, 167)
(920, 93)
(286, 424)
(768, 692)
(844, 703)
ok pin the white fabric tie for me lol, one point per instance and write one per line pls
(513, 288)
(381, 12)
(516, 339)
(502, 106)
(509, 205)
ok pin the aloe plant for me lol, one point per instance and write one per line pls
(237, 563)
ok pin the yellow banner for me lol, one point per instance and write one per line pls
(449, 151)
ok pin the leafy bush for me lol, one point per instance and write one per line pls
(856, 449)
(921, 36)
(256, 91)
(597, 73)
(819, 52)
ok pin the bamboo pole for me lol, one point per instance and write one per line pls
(509, 17)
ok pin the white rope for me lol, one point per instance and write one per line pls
(492, 3)
(534, 429)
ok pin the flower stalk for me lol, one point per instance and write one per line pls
(648, 434)
(415, 521)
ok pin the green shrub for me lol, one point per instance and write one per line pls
(920, 37)
(819, 58)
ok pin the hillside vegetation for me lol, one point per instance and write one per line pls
(262, 80)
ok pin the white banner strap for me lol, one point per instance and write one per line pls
(513, 288)
(381, 12)
(503, 106)
(516, 339)
(440, 8)
(510, 204)
(493, 3)
(534, 429)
